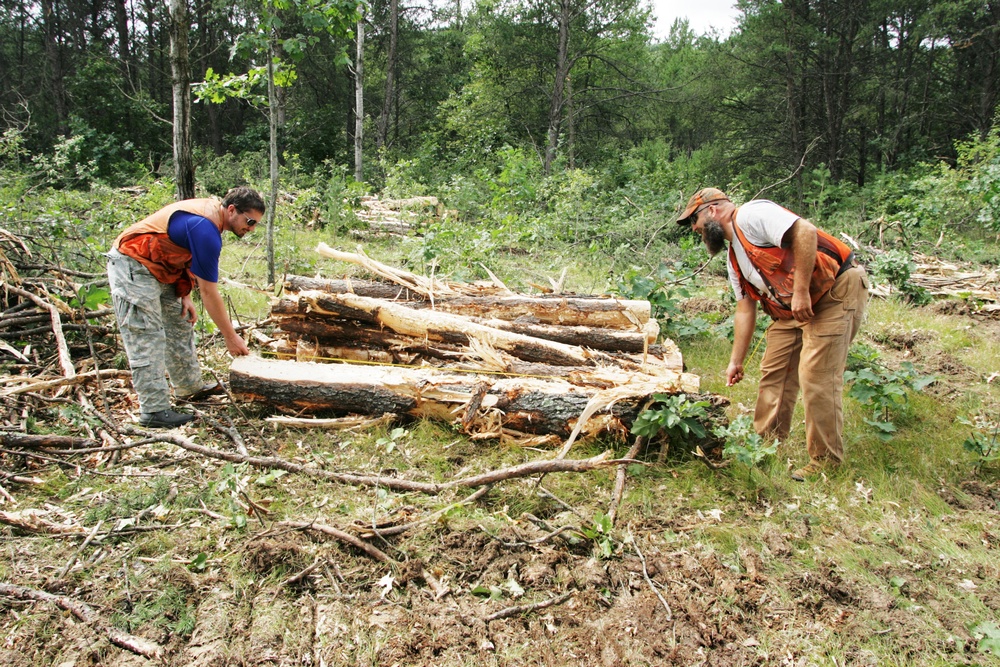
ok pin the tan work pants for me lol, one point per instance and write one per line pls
(812, 355)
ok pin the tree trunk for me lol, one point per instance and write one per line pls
(359, 100)
(611, 340)
(181, 68)
(53, 53)
(481, 404)
(605, 312)
(558, 87)
(124, 44)
(594, 312)
(272, 102)
(390, 74)
(447, 328)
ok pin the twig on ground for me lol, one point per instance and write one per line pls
(528, 469)
(84, 545)
(65, 360)
(84, 613)
(59, 382)
(619, 490)
(645, 574)
(374, 552)
(397, 530)
(548, 494)
(538, 540)
(526, 608)
(336, 424)
(227, 431)
(295, 578)
(700, 455)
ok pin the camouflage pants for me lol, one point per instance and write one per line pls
(157, 339)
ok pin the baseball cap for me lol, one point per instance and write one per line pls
(698, 199)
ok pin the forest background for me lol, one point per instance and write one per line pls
(848, 110)
(558, 135)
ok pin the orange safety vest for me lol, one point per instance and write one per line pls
(777, 267)
(147, 242)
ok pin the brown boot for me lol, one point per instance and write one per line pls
(813, 468)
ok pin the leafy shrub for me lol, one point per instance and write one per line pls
(743, 443)
(665, 294)
(885, 391)
(673, 414)
(895, 268)
(984, 439)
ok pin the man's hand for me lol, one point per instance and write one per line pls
(801, 238)
(216, 309)
(188, 311)
(734, 373)
(237, 346)
(802, 309)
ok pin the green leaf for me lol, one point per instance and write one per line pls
(271, 476)
(199, 562)
(988, 634)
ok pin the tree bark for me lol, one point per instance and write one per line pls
(53, 53)
(527, 405)
(180, 65)
(390, 74)
(562, 74)
(359, 100)
(272, 103)
(562, 310)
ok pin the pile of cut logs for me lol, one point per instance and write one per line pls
(498, 364)
(397, 216)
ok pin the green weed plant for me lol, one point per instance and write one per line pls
(886, 392)
(984, 440)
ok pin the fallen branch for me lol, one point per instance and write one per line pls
(64, 357)
(295, 578)
(372, 551)
(76, 554)
(402, 528)
(645, 574)
(529, 469)
(83, 612)
(619, 490)
(9, 439)
(335, 424)
(60, 382)
(526, 608)
(32, 521)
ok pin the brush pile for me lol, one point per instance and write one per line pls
(496, 363)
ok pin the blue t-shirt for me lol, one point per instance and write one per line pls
(202, 238)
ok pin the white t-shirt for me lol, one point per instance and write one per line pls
(763, 223)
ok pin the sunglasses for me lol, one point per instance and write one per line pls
(250, 221)
(693, 218)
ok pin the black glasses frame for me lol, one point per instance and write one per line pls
(251, 222)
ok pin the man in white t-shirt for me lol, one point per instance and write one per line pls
(814, 320)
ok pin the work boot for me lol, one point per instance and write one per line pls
(164, 419)
(813, 468)
(209, 389)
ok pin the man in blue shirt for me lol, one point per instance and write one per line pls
(152, 268)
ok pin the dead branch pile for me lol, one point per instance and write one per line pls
(40, 300)
(497, 363)
(397, 216)
(947, 279)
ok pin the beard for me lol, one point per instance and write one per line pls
(714, 236)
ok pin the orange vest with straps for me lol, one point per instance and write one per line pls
(147, 242)
(777, 268)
